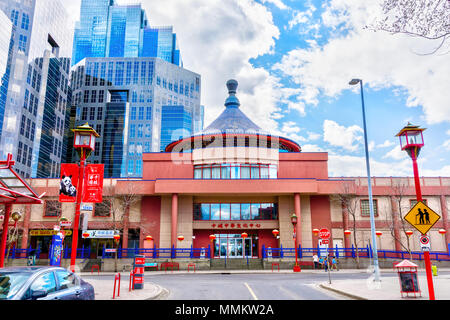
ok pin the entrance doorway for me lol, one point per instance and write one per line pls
(234, 246)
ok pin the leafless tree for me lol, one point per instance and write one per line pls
(348, 199)
(428, 19)
(118, 206)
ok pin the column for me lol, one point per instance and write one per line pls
(298, 214)
(7, 214)
(26, 225)
(347, 240)
(445, 219)
(174, 220)
(395, 221)
(126, 220)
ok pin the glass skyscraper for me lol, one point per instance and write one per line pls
(107, 29)
(176, 124)
(6, 45)
(125, 101)
(35, 117)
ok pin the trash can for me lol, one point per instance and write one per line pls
(434, 270)
(407, 274)
(138, 270)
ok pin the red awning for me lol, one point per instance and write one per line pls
(13, 188)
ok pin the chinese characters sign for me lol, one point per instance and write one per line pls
(236, 225)
(93, 187)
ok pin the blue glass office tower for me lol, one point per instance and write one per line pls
(107, 29)
(38, 94)
(176, 124)
(6, 44)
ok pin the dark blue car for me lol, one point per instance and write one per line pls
(43, 283)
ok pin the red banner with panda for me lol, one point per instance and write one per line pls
(68, 183)
(93, 183)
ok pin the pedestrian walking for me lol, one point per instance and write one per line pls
(316, 261)
(334, 264)
(321, 262)
(325, 263)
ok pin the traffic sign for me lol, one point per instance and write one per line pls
(422, 217)
(425, 242)
(324, 233)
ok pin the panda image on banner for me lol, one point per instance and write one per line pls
(66, 187)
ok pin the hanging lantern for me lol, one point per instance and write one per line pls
(148, 238)
(347, 232)
(180, 238)
(409, 233)
(442, 231)
(378, 233)
(316, 231)
(244, 235)
(275, 232)
(212, 237)
(117, 238)
(85, 235)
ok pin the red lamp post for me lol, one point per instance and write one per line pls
(212, 237)
(84, 144)
(294, 223)
(411, 140)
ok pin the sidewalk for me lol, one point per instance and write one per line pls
(358, 289)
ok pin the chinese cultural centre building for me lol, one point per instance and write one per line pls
(234, 177)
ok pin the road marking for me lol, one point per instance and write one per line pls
(251, 291)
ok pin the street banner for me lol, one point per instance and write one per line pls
(93, 183)
(56, 249)
(69, 182)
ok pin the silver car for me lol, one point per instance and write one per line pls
(43, 283)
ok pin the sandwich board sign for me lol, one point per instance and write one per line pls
(422, 217)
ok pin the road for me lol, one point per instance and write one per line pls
(236, 286)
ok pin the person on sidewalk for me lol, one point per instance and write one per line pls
(325, 263)
(316, 261)
(334, 264)
(321, 262)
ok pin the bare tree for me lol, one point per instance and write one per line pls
(428, 19)
(347, 198)
(118, 206)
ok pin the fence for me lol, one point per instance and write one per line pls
(16, 253)
(352, 252)
(172, 253)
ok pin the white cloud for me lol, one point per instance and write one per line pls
(385, 144)
(396, 153)
(382, 60)
(311, 148)
(446, 145)
(341, 136)
(278, 3)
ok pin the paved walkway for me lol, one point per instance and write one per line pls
(360, 289)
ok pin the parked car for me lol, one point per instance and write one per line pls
(43, 283)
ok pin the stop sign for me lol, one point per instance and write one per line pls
(324, 233)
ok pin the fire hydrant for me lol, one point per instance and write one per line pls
(434, 270)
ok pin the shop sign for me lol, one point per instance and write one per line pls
(93, 188)
(100, 234)
(44, 233)
(236, 225)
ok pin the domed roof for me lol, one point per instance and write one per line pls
(233, 123)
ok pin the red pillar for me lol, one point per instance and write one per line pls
(126, 222)
(4, 234)
(174, 219)
(347, 241)
(298, 213)
(26, 226)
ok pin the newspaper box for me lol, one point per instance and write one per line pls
(407, 275)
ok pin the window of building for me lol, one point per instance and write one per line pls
(235, 171)
(52, 208)
(103, 209)
(365, 208)
(235, 211)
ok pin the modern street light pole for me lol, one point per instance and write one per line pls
(372, 219)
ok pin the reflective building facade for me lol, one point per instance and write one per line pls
(107, 29)
(125, 101)
(35, 116)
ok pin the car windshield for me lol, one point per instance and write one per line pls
(11, 282)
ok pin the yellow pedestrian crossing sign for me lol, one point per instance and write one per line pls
(422, 217)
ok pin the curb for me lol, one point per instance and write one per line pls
(349, 295)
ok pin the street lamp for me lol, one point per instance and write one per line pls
(372, 216)
(212, 237)
(294, 223)
(411, 140)
(84, 144)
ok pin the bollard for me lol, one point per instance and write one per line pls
(434, 269)
(116, 277)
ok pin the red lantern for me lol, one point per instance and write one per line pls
(212, 237)
(275, 232)
(85, 235)
(244, 235)
(378, 233)
(117, 237)
(442, 231)
(347, 232)
(316, 231)
(409, 233)
(148, 238)
(180, 238)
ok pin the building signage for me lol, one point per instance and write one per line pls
(99, 234)
(86, 207)
(44, 233)
(93, 187)
(236, 225)
(68, 183)
(422, 217)
(65, 223)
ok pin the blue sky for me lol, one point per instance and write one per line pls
(294, 59)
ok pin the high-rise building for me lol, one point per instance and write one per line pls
(107, 29)
(35, 116)
(6, 45)
(124, 100)
(176, 124)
